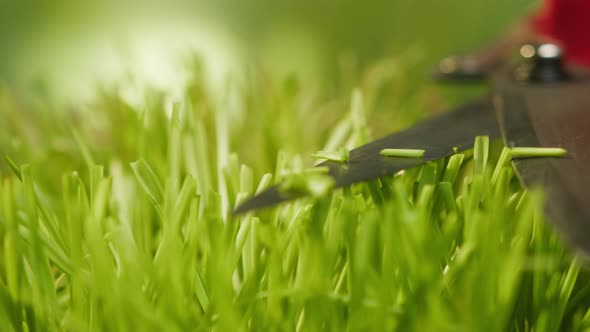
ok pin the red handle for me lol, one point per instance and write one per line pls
(566, 22)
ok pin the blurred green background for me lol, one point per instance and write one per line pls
(72, 45)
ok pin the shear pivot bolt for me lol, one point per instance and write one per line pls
(543, 64)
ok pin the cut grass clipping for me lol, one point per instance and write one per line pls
(341, 156)
(405, 153)
(533, 152)
(92, 242)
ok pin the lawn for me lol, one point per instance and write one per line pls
(117, 216)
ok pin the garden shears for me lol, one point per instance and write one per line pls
(539, 102)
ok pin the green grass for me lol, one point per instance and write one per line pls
(406, 153)
(118, 218)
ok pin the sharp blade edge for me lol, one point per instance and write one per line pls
(438, 136)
